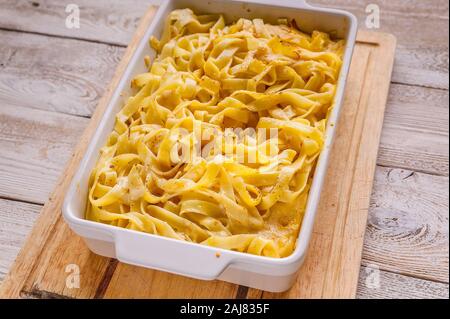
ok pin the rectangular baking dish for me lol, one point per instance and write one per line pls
(190, 259)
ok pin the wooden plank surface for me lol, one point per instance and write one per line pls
(408, 226)
(65, 85)
(387, 285)
(420, 26)
(340, 232)
(102, 20)
(16, 221)
(46, 226)
(415, 132)
(421, 59)
(422, 51)
(33, 152)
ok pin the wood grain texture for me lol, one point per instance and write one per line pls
(16, 221)
(135, 282)
(33, 152)
(421, 28)
(108, 21)
(415, 133)
(339, 236)
(421, 58)
(408, 224)
(53, 74)
(47, 229)
(374, 284)
(63, 249)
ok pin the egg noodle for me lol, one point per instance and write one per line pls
(219, 142)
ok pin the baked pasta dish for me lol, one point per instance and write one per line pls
(218, 143)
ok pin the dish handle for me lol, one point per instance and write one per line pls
(174, 256)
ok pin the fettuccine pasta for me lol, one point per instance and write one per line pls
(183, 160)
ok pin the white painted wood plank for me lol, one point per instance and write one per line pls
(408, 227)
(54, 74)
(385, 285)
(35, 145)
(16, 221)
(415, 133)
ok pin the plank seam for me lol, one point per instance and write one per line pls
(65, 37)
(418, 170)
(242, 292)
(365, 263)
(21, 201)
(106, 279)
(421, 86)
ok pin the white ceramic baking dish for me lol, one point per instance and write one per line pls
(195, 260)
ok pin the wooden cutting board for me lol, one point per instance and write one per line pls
(45, 266)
